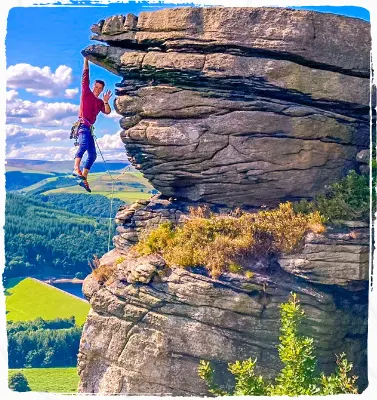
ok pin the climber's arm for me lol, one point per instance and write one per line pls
(85, 76)
(107, 109)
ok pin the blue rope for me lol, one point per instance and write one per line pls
(112, 193)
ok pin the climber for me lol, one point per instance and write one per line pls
(90, 106)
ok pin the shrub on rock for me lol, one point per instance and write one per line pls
(219, 242)
(299, 375)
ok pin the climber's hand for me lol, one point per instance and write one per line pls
(107, 96)
(86, 63)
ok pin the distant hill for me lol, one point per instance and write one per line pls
(45, 183)
(60, 167)
(129, 187)
(37, 176)
(16, 180)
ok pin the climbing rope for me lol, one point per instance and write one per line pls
(112, 191)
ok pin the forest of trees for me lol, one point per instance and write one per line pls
(82, 204)
(39, 343)
(41, 238)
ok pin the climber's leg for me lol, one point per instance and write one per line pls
(84, 133)
(92, 155)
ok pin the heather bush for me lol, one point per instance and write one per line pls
(102, 273)
(18, 383)
(225, 242)
(348, 199)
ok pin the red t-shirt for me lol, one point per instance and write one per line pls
(90, 105)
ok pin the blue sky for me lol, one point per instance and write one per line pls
(44, 67)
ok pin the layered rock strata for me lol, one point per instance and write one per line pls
(149, 328)
(227, 107)
(333, 258)
(239, 106)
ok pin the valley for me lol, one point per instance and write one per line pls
(53, 230)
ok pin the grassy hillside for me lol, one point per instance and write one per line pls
(30, 299)
(49, 183)
(129, 187)
(54, 380)
(33, 175)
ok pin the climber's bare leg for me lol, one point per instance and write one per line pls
(77, 165)
(85, 173)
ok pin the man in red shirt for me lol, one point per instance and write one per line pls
(90, 106)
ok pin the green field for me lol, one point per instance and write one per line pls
(129, 185)
(30, 299)
(54, 380)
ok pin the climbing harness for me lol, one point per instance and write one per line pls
(74, 134)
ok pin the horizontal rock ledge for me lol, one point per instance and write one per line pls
(330, 41)
(261, 73)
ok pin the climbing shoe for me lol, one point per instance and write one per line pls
(78, 174)
(84, 183)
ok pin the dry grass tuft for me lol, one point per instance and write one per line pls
(102, 273)
(223, 242)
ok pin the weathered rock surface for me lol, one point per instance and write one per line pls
(239, 106)
(332, 258)
(307, 36)
(363, 158)
(148, 338)
(149, 328)
(228, 107)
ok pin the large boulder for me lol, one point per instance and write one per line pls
(239, 106)
(326, 40)
(224, 107)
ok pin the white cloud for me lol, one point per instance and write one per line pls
(37, 144)
(111, 142)
(113, 115)
(41, 81)
(49, 153)
(39, 113)
(119, 155)
(71, 93)
(10, 95)
(111, 147)
(18, 136)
